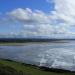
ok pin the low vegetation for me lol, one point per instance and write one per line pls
(8, 67)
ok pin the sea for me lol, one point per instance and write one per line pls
(56, 54)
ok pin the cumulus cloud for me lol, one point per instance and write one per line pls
(39, 23)
(64, 10)
(29, 16)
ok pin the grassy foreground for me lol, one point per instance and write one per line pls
(8, 67)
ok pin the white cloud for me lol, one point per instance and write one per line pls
(40, 22)
(64, 9)
(29, 16)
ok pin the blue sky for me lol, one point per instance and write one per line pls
(8, 5)
(37, 18)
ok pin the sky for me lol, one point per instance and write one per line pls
(37, 18)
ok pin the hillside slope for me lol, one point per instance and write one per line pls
(8, 67)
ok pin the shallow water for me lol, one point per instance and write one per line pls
(56, 55)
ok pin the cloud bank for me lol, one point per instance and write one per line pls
(38, 23)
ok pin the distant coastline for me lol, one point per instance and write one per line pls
(23, 40)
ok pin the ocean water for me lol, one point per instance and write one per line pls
(59, 55)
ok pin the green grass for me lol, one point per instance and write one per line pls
(17, 68)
